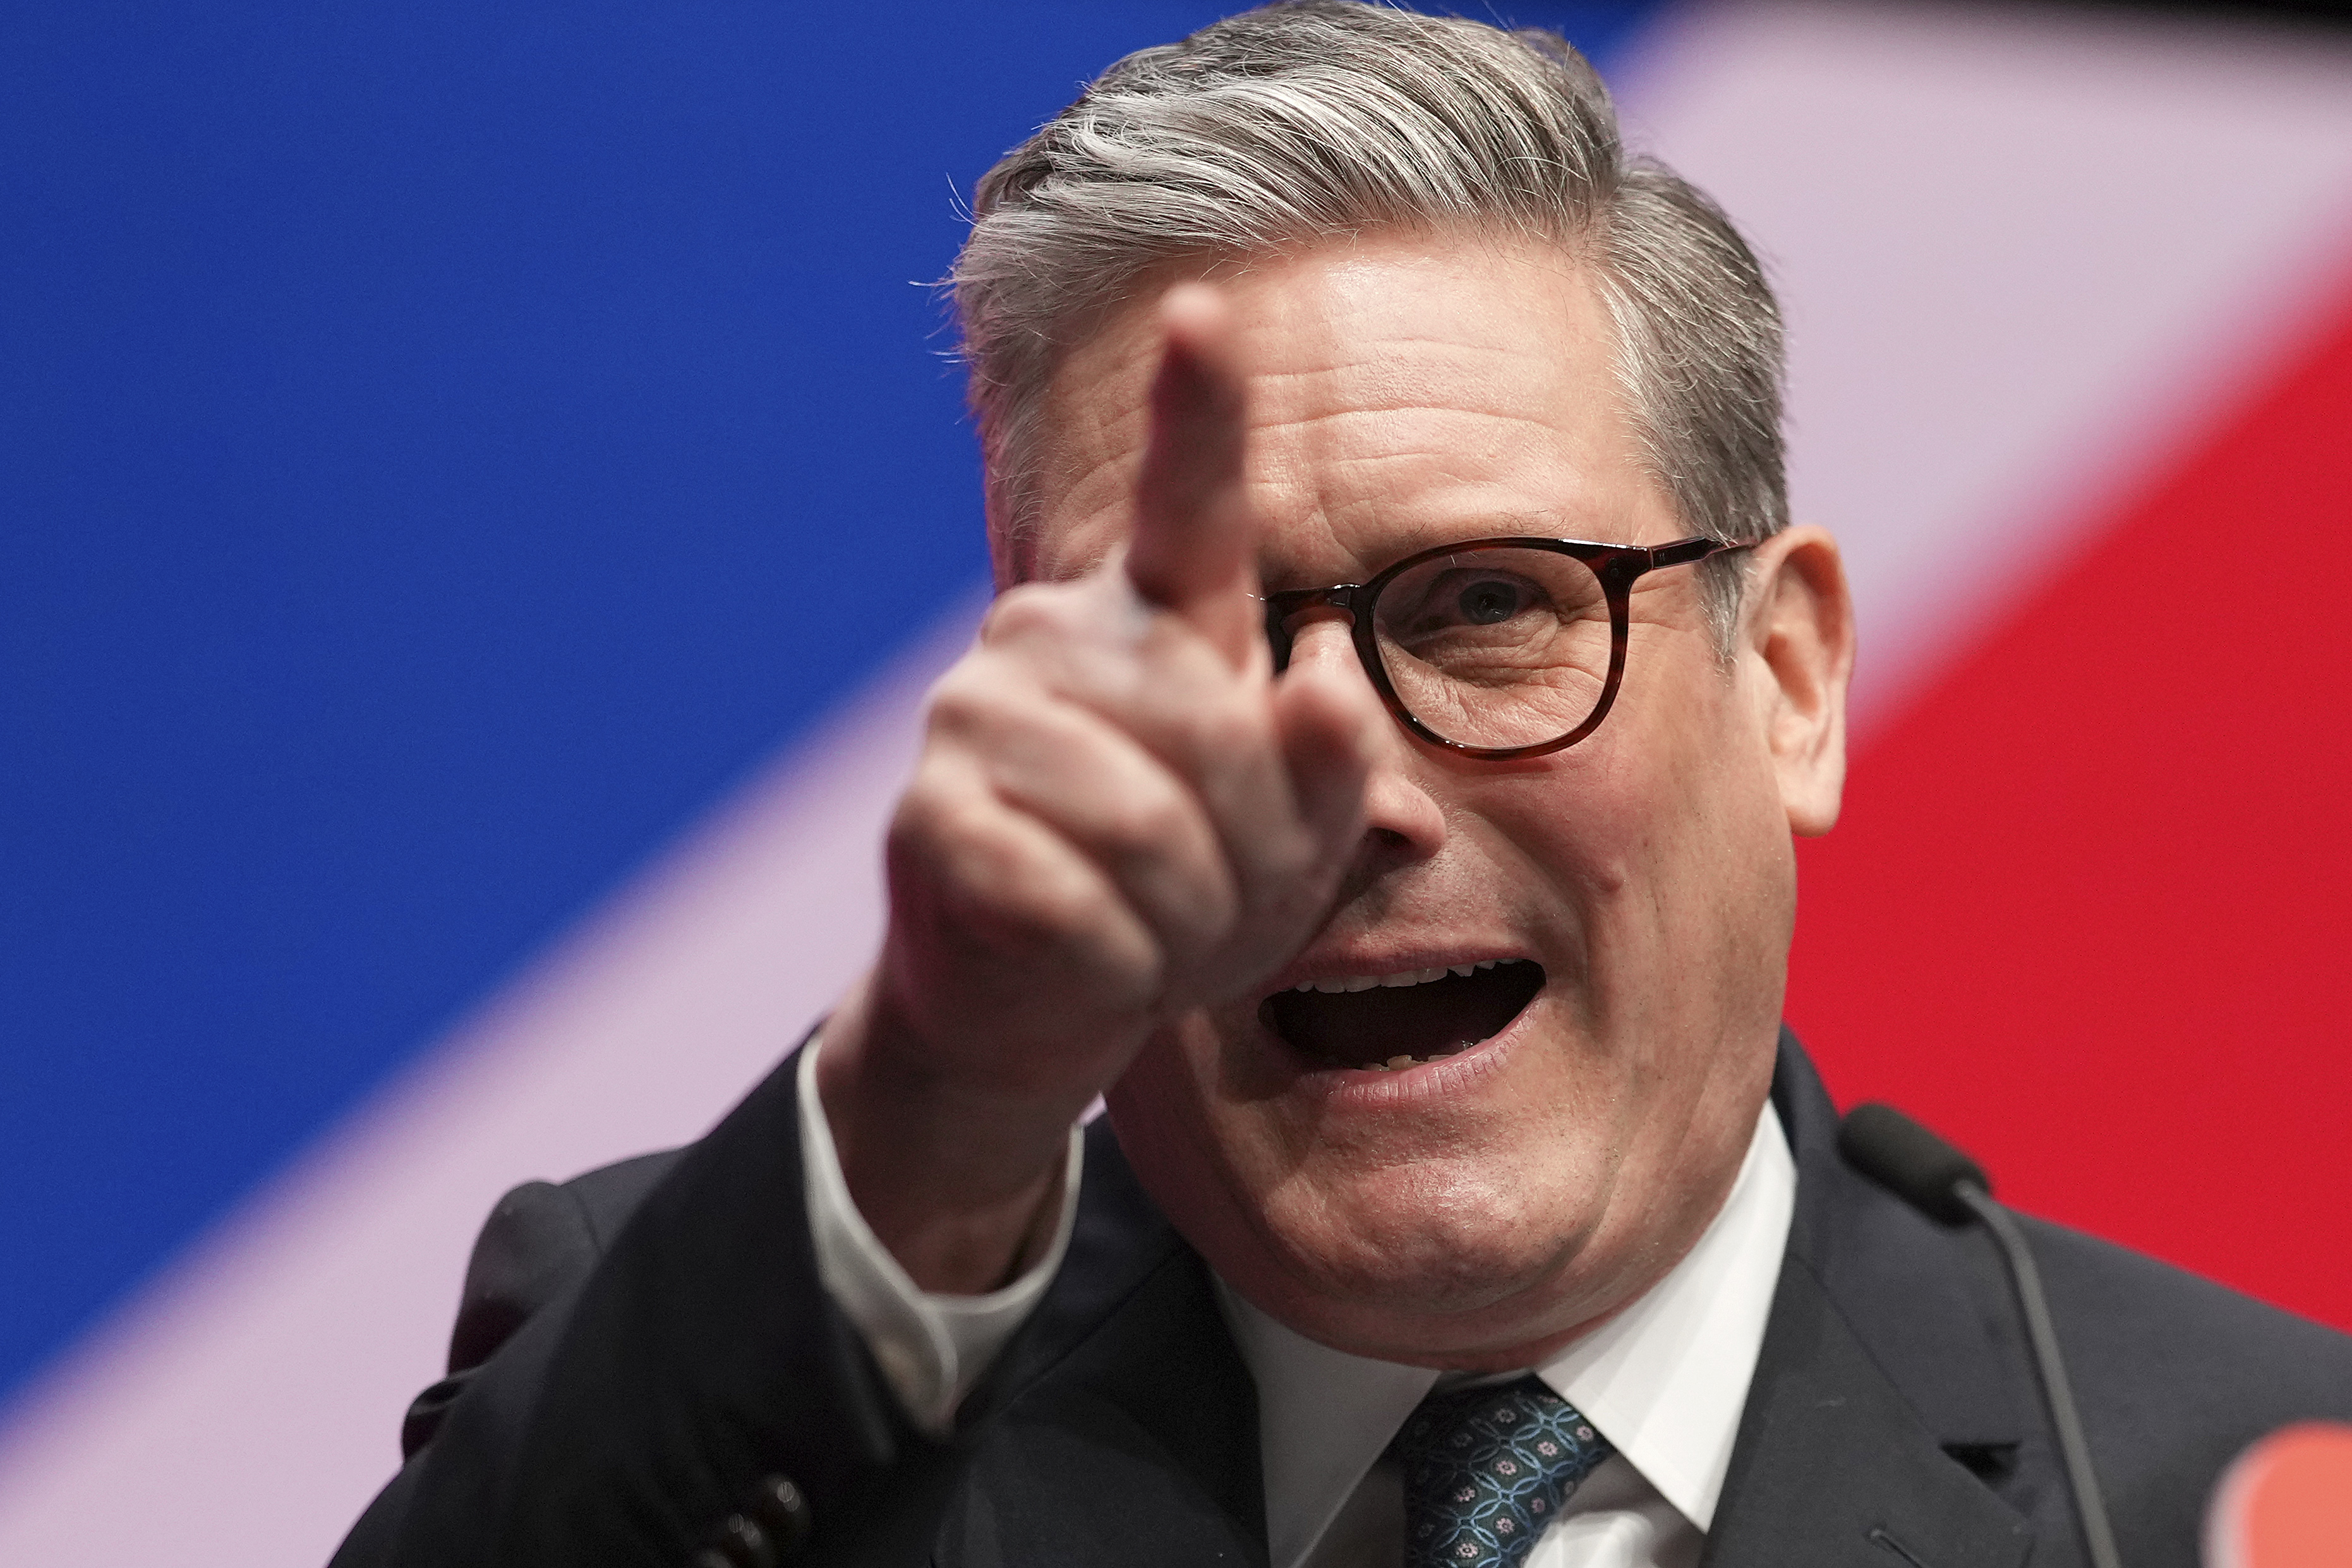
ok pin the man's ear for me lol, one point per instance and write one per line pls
(1799, 632)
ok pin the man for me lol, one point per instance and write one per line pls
(1376, 782)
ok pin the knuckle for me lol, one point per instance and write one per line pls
(930, 813)
(976, 711)
(972, 684)
(1151, 824)
(1030, 915)
(1030, 610)
(987, 880)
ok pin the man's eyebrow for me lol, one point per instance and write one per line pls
(1391, 545)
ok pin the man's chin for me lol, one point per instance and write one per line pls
(1387, 1227)
(1443, 1321)
(1423, 1284)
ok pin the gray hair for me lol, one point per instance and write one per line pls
(1319, 118)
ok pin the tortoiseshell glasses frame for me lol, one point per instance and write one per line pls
(1615, 567)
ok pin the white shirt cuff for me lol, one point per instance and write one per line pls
(932, 1349)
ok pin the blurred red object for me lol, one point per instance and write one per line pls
(2286, 1502)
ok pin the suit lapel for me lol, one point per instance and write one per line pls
(1832, 1466)
(1880, 1363)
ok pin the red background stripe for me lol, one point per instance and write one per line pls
(2086, 913)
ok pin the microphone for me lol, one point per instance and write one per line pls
(1945, 1184)
(2285, 1502)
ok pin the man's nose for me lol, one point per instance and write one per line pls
(1402, 822)
(1324, 632)
(1324, 636)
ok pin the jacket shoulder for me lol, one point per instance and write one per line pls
(541, 1239)
(659, 1355)
(2176, 1375)
(2157, 1344)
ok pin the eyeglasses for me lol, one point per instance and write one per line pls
(1495, 648)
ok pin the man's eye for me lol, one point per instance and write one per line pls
(1489, 603)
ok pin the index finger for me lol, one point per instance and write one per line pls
(1195, 537)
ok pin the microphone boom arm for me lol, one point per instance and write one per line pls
(2072, 1447)
(1945, 1184)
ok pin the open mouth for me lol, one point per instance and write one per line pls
(1389, 1022)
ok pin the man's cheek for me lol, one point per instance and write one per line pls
(1576, 856)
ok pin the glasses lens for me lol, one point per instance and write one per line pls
(1496, 648)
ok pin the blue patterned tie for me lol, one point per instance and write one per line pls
(1487, 1469)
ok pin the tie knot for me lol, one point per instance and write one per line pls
(1487, 1469)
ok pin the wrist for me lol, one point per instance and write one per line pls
(960, 1184)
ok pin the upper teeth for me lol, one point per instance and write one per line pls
(1402, 977)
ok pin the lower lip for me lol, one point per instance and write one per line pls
(1424, 1084)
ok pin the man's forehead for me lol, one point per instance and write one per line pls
(1309, 552)
(1399, 394)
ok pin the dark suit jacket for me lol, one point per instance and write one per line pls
(638, 1349)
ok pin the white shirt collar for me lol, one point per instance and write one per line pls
(1663, 1380)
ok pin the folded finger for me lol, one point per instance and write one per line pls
(1103, 793)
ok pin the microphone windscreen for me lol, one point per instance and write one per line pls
(1909, 1161)
(2286, 1502)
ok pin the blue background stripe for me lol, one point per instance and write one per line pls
(442, 448)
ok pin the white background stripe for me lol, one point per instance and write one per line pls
(2022, 254)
